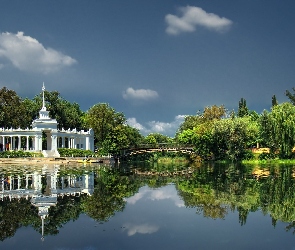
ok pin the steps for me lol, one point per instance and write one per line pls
(50, 153)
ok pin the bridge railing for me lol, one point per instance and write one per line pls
(160, 145)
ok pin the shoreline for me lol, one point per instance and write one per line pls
(47, 160)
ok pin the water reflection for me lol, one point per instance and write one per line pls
(48, 197)
(41, 187)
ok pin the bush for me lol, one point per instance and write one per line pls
(266, 156)
(18, 154)
(248, 155)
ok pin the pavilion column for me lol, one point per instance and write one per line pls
(33, 143)
(27, 143)
(19, 143)
(74, 143)
(87, 143)
(3, 142)
(63, 142)
(38, 142)
(10, 144)
(53, 142)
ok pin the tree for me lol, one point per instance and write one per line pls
(291, 96)
(282, 128)
(214, 112)
(67, 114)
(265, 134)
(12, 110)
(159, 138)
(102, 118)
(274, 101)
(209, 114)
(243, 109)
(234, 136)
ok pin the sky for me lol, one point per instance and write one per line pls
(154, 61)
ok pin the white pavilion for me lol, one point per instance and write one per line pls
(11, 138)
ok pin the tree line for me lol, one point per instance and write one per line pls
(216, 133)
(219, 134)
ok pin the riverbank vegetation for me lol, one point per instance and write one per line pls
(215, 133)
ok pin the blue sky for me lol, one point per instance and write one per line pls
(155, 61)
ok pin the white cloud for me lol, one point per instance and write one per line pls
(193, 17)
(139, 94)
(166, 128)
(141, 228)
(163, 193)
(27, 54)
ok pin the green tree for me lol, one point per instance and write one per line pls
(274, 101)
(67, 114)
(265, 131)
(159, 138)
(103, 119)
(150, 139)
(234, 136)
(282, 118)
(291, 96)
(243, 109)
(12, 110)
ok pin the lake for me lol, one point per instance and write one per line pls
(158, 206)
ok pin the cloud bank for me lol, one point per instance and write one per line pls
(166, 128)
(27, 54)
(193, 17)
(139, 94)
(164, 193)
(141, 228)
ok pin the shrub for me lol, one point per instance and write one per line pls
(248, 155)
(266, 156)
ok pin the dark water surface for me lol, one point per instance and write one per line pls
(147, 207)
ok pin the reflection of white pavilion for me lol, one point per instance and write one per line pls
(11, 138)
(29, 186)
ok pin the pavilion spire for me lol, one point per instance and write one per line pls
(43, 90)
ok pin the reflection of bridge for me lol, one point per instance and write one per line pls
(159, 147)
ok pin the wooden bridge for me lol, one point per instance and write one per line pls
(159, 147)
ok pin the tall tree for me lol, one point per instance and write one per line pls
(282, 119)
(291, 96)
(274, 101)
(102, 118)
(243, 109)
(12, 111)
(67, 114)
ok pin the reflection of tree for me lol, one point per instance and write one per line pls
(14, 214)
(67, 208)
(109, 193)
(214, 190)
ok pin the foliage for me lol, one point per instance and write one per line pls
(12, 110)
(157, 138)
(19, 154)
(266, 156)
(108, 196)
(243, 109)
(73, 152)
(210, 113)
(103, 119)
(274, 101)
(282, 128)
(68, 115)
(291, 96)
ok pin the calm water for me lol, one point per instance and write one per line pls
(147, 207)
